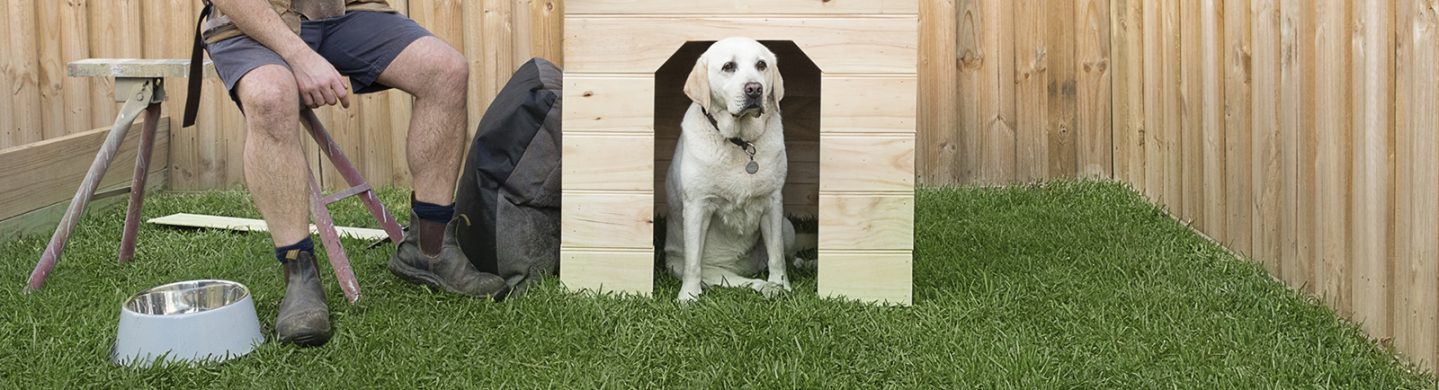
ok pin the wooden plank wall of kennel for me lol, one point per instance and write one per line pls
(865, 49)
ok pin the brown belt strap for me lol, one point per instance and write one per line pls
(197, 70)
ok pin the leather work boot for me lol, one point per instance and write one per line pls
(304, 318)
(448, 269)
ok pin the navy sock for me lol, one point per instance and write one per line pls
(292, 251)
(433, 212)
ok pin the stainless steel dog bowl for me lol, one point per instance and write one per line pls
(192, 321)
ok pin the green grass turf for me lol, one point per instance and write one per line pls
(1055, 286)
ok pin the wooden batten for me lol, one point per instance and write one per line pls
(849, 111)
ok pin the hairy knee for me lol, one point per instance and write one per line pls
(449, 75)
(271, 102)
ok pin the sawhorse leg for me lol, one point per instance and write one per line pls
(319, 205)
(143, 98)
(137, 186)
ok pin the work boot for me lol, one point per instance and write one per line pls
(443, 266)
(304, 318)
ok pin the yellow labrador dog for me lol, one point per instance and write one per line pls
(726, 215)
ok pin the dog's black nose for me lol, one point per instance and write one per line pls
(753, 89)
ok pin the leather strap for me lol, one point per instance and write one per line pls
(197, 70)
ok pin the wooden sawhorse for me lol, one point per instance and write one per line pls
(140, 85)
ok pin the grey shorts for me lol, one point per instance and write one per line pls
(360, 45)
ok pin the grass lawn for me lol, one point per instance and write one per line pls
(1056, 286)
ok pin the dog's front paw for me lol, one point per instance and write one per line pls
(688, 295)
(770, 289)
(780, 280)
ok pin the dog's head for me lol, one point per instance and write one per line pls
(736, 75)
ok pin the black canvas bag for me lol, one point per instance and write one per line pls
(508, 198)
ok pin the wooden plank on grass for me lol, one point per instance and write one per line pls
(1373, 125)
(41, 222)
(1094, 153)
(43, 173)
(1237, 128)
(254, 225)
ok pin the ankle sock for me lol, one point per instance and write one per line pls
(433, 212)
(292, 251)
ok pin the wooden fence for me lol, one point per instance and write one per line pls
(1299, 133)
(1302, 134)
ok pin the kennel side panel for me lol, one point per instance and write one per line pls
(869, 276)
(869, 164)
(627, 271)
(742, 7)
(608, 220)
(838, 45)
(608, 162)
(866, 221)
(621, 103)
(869, 104)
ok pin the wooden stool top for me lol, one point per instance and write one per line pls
(134, 68)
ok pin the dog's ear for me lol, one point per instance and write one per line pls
(697, 87)
(776, 83)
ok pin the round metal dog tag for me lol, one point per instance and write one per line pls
(752, 167)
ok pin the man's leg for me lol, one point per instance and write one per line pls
(438, 77)
(275, 172)
(275, 166)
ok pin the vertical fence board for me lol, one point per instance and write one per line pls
(1332, 107)
(1093, 128)
(114, 33)
(1170, 140)
(1264, 134)
(997, 77)
(941, 61)
(1236, 125)
(24, 74)
(1191, 130)
(1127, 41)
(1421, 98)
(1060, 88)
(1297, 143)
(1031, 75)
(1211, 118)
(8, 133)
(1372, 124)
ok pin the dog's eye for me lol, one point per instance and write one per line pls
(761, 65)
(728, 66)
